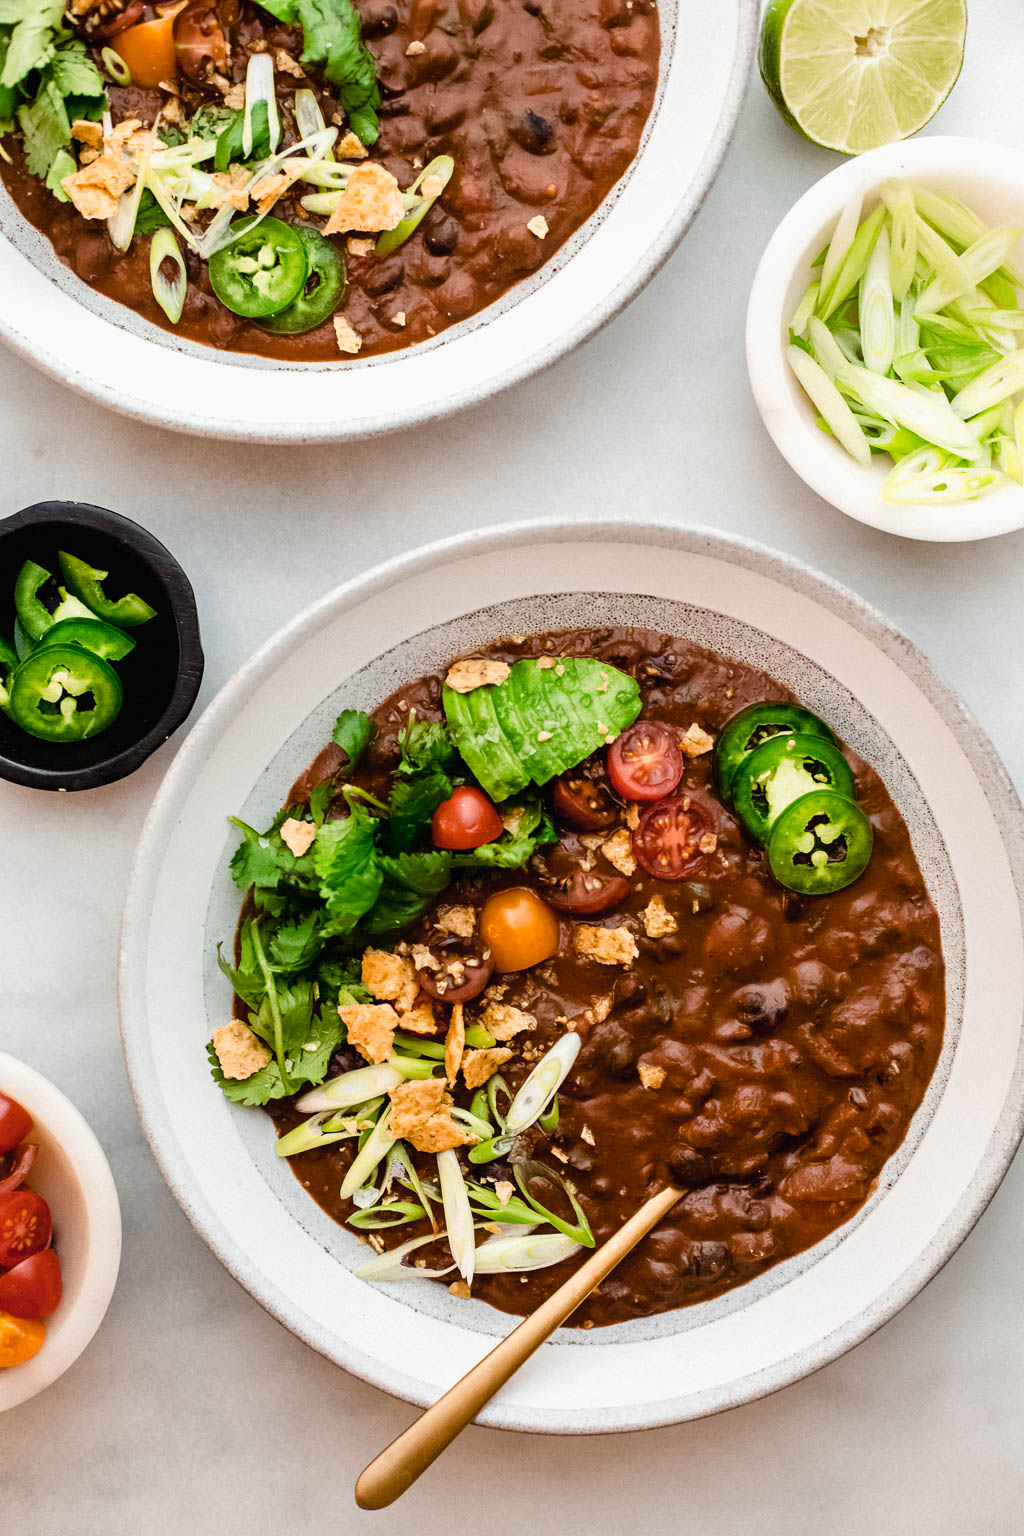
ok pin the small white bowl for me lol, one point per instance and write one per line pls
(73, 1176)
(990, 179)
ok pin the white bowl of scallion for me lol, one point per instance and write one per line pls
(885, 338)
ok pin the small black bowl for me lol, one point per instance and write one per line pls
(161, 676)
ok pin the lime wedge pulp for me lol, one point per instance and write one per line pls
(853, 74)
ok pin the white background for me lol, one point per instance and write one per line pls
(193, 1412)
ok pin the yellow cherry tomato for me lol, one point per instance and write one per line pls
(148, 49)
(20, 1339)
(518, 928)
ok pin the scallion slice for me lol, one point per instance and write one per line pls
(350, 1089)
(389, 1266)
(373, 1151)
(517, 1252)
(458, 1217)
(168, 292)
(308, 116)
(877, 315)
(834, 409)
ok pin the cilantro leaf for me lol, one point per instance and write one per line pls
(534, 829)
(295, 1004)
(46, 128)
(352, 733)
(411, 804)
(295, 944)
(336, 976)
(251, 1091)
(332, 37)
(410, 883)
(246, 978)
(426, 745)
(75, 75)
(150, 216)
(347, 866)
(36, 23)
(262, 860)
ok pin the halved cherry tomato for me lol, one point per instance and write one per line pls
(667, 840)
(14, 1166)
(15, 1123)
(645, 762)
(465, 969)
(148, 48)
(583, 802)
(25, 1226)
(587, 894)
(200, 43)
(113, 24)
(32, 1288)
(467, 819)
(518, 928)
(19, 1339)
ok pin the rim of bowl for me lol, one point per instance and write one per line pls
(54, 1111)
(789, 418)
(648, 263)
(148, 549)
(789, 571)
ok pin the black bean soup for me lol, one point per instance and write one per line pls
(767, 1056)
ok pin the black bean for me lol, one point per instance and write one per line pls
(378, 20)
(687, 1167)
(441, 235)
(533, 133)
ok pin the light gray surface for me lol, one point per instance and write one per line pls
(193, 1412)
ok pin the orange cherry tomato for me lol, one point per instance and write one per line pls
(518, 928)
(148, 49)
(20, 1339)
(466, 820)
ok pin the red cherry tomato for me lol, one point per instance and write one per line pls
(199, 43)
(583, 802)
(646, 762)
(463, 971)
(25, 1226)
(14, 1166)
(32, 1288)
(467, 820)
(15, 1123)
(584, 894)
(518, 928)
(667, 840)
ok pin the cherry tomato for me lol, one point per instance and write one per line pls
(25, 1226)
(464, 971)
(667, 841)
(113, 24)
(583, 802)
(32, 1288)
(466, 820)
(645, 762)
(148, 49)
(519, 928)
(200, 43)
(586, 894)
(14, 1166)
(15, 1123)
(19, 1339)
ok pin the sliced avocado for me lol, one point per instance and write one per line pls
(482, 743)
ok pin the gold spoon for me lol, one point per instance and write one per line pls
(389, 1475)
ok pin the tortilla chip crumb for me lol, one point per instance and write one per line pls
(419, 1020)
(358, 247)
(431, 186)
(658, 920)
(618, 850)
(234, 96)
(696, 741)
(601, 1009)
(398, 318)
(608, 946)
(414, 48)
(632, 815)
(478, 1066)
(538, 226)
(287, 65)
(587, 1135)
(454, 1043)
(708, 843)
(239, 1052)
(421, 1113)
(650, 1076)
(94, 189)
(503, 1021)
(460, 1289)
(269, 188)
(297, 836)
(464, 676)
(349, 340)
(87, 133)
(391, 978)
(350, 147)
(371, 1028)
(504, 1189)
(371, 202)
(460, 921)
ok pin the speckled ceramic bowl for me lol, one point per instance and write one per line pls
(405, 618)
(104, 350)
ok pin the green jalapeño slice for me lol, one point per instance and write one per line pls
(62, 693)
(320, 294)
(750, 729)
(8, 666)
(820, 843)
(262, 271)
(782, 770)
(87, 583)
(34, 616)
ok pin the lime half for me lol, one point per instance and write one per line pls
(853, 74)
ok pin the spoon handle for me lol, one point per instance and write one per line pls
(389, 1475)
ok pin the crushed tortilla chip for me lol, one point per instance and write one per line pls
(651, 1076)
(455, 1043)
(349, 340)
(95, 188)
(608, 946)
(421, 1113)
(88, 133)
(478, 1066)
(371, 1028)
(419, 1020)
(464, 676)
(370, 203)
(239, 1052)
(503, 1021)
(658, 920)
(287, 65)
(696, 741)
(618, 850)
(460, 921)
(350, 147)
(391, 978)
(298, 836)
(234, 96)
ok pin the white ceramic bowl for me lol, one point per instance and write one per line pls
(353, 648)
(73, 1176)
(990, 179)
(105, 351)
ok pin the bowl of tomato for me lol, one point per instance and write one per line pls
(60, 1233)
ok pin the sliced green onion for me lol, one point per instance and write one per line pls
(323, 203)
(378, 1218)
(169, 294)
(903, 240)
(957, 222)
(389, 1266)
(545, 1080)
(497, 1088)
(121, 224)
(1008, 459)
(375, 1148)
(998, 383)
(412, 1181)
(947, 485)
(514, 1212)
(443, 168)
(580, 1230)
(351, 1088)
(1005, 319)
(418, 1067)
(418, 1045)
(259, 87)
(548, 1121)
(923, 461)
(115, 66)
(834, 409)
(478, 1038)
(515, 1252)
(926, 412)
(828, 354)
(839, 246)
(805, 309)
(308, 117)
(458, 1217)
(979, 262)
(490, 1151)
(479, 1107)
(479, 1128)
(877, 316)
(855, 264)
(311, 1133)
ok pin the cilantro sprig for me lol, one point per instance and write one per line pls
(47, 80)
